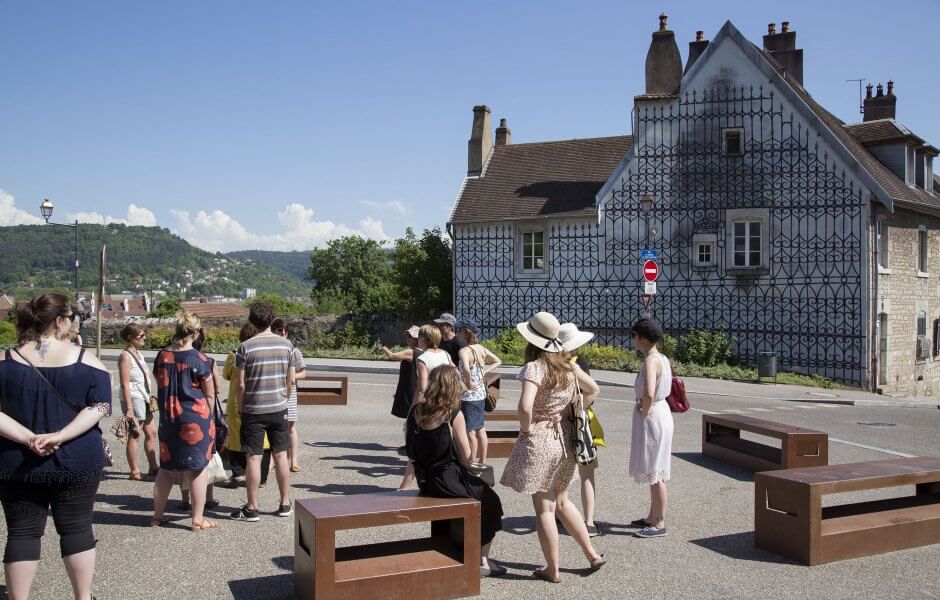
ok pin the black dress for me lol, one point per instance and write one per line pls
(407, 385)
(440, 474)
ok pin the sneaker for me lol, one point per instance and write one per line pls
(212, 504)
(246, 514)
(285, 510)
(184, 506)
(649, 532)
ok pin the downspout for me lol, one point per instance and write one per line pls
(451, 231)
(874, 346)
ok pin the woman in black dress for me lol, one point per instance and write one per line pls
(407, 372)
(439, 448)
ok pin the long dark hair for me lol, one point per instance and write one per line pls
(35, 317)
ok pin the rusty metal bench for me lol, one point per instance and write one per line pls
(789, 519)
(322, 390)
(721, 440)
(425, 568)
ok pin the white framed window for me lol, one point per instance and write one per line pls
(923, 350)
(531, 251)
(704, 249)
(747, 243)
(882, 233)
(922, 249)
(732, 141)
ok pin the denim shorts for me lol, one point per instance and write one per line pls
(141, 408)
(473, 413)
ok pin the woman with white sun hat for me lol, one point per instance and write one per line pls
(542, 463)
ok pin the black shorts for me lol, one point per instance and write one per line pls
(255, 426)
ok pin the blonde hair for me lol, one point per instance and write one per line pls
(557, 365)
(442, 395)
(187, 324)
(431, 335)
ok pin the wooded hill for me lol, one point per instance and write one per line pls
(296, 263)
(40, 257)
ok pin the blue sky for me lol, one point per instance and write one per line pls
(279, 125)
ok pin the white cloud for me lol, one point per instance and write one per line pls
(218, 232)
(394, 205)
(136, 215)
(10, 215)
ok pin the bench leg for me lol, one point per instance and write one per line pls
(785, 518)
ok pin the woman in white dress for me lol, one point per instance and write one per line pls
(651, 441)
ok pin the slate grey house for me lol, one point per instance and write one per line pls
(793, 231)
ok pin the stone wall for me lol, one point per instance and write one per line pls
(310, 331)
(904, 291)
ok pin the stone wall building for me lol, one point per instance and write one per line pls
(773, 219)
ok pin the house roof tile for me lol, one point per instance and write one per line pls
(205, 310)
(542, 179)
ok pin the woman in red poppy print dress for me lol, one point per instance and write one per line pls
(187, 430)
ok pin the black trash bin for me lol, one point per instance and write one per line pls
(767, 365)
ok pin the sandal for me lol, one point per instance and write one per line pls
(204, 525)
(541, 574)
(136, 476)
(155, 522)
(597, 564)
(295, 469)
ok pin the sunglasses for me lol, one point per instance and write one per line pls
(70, 316)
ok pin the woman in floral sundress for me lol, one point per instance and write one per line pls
(542, 464)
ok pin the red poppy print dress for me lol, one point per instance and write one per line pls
(187, 430)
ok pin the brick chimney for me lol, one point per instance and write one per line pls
(696, 49)
(881, 106)
(503, 135)
(782, 47)
(663, 63)
(481, 140)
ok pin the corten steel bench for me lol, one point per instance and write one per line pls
(501, 441)
(789, 519)
(721, 440)
(322, 390)
(417, 569)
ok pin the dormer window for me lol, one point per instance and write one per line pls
(732, 142)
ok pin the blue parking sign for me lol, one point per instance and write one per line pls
(649, 254)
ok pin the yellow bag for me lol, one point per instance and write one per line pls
(596, 429)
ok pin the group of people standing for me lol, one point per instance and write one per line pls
(439, 396)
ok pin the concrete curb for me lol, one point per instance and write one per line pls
(392, 369)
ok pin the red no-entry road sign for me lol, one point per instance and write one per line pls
(650, 270)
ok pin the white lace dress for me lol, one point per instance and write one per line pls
(651, 441)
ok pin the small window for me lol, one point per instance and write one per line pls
(922, 249)
(882, 244)
(733, 141)
(747, 244)
(533, 251)
(936, 337)
(922, 350)
(705, 251)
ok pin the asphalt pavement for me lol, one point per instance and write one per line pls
(709, 552)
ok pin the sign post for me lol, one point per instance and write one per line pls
(102, 273)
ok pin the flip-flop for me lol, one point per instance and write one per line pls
(295, 469)
(135, 476)
(540, 574)
(597, 564)
(204, 525)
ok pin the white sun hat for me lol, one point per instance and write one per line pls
(572, 338)
(542, 332)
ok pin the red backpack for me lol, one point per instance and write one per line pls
(678, 402)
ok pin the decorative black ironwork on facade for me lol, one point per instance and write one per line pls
(804, 299)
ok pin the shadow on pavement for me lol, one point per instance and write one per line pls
(336, 489)
(272, 587)
(519, 526)
(369, 447)
(376, 472)
(711, 464)
(370, 459)
(741, 547)
(285, 563)
(523, 571)
(141, 503)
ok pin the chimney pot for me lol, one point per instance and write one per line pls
(663, 17)
(699, 36)
(880, 91)
(503, 135)
(784, 26)
(890, 87)
(771, 29)
(868, 91)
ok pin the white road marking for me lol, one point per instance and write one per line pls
(373, 384)
(784, 408)
(707, 412)
(867, 447)
(733, 411)
(760, 409)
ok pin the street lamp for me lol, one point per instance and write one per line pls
(46, 209)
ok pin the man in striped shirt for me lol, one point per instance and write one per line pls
(265, 379)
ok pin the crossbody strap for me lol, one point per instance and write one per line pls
(49, 383)
(143, 371)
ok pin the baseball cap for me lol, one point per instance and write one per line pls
(446, 319)
(648, 329)
(470, 325)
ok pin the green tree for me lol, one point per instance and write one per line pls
(283, 308)
(168, 307)
(350, 269)
(424, 270)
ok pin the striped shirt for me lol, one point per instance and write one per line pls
(265, 359)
